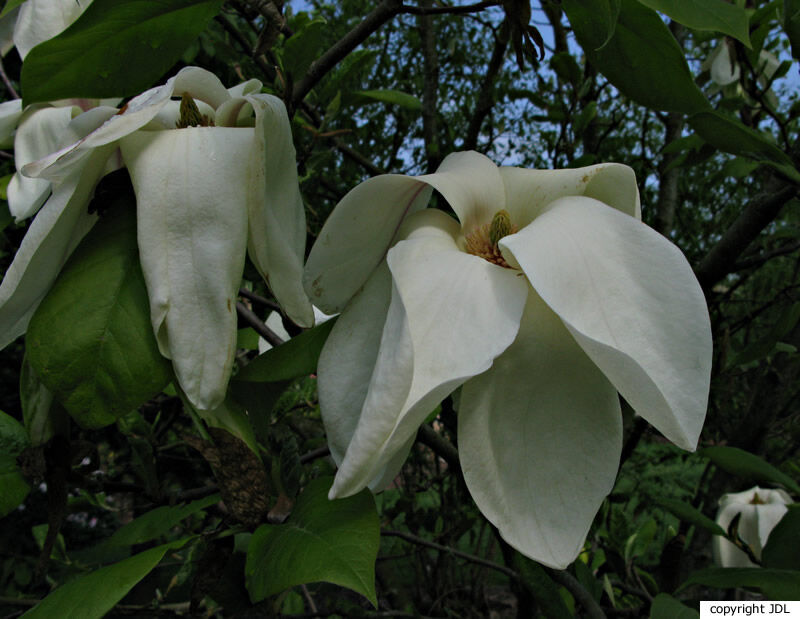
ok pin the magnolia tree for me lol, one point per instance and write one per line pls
(386, 309)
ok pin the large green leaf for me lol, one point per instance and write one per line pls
(667, 607)
(689, 514)
(716, 15)
(13, 487)
(9, 6)
(91, 341)
(116, 48)
(322, 540)
(147, 527)
(93, 595)
(775, 584)
(782, 547)
(730, 135)
(748, 466)
(295, 358)
(642, 58)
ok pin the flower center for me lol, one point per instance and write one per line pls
(756, 500)
(190, 115)
(482, 241)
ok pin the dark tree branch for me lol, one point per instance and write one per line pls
(764, 208)
(440, 445)
(385, 11)
(430, 73)
(486, 96)
(449, 10)
(9, 86)
(669, 177)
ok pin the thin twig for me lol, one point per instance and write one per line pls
(258, 325)
(320, 452)
(7, 82)
(457, 553)
(257, 298)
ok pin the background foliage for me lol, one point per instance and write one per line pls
(126, 518)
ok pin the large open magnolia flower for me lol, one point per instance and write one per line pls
(548, 298)
(214, 176)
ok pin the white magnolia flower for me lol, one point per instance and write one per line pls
(205, 195)
(36, 21)
(761, 509)
(546, 299)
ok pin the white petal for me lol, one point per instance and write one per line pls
(472, 186)
(7, 24)
(136, 114)
(249, 87)
(348, 358)
(277, 221)
(451, 314)
(38, 135)
(539, 439)
(724, 68)
(58, 227)
(191, 192)
(10, 113)
(631, 301)
(40, 20)
(357, 235)
(528, 192)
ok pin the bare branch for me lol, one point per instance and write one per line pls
(449, 10)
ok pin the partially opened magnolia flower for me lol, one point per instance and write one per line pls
(214, 176)
(544, 299)
(761, 509)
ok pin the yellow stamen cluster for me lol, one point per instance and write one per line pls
(756, 500)
(191, 116)
(482, 241)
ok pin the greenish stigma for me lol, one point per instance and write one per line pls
(190, 115)
(500, 226)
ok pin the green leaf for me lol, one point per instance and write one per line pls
(393, 97)
(730, 135)
(783, 543)
(10, 6)
(292, 359)
(563, 63)
(302, 47)
(544, 590)
(231, 416)
(687, 513)
(91, 341)
(748, 466)
(145, 528)
(116, 48)
(715, 15)
(44, 417)
(642, 58)
(13, 486)
(791, 24)
(96, 593)
(667, 607)
(775, 584)
(335, 541)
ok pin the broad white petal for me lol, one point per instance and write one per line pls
(631, 301)
(277, 221)
(38, 135)
(10, 113)
(348, 358)
(200, 84)
(472, 186)
(58, 227)
(249, 87)
(40, 20)
(529, 192)
(191, 193)
(451, 314)
(539, 439)
(357, 235)
(7, 24)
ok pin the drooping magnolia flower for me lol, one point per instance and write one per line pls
(544, 299)
(214, 177)
(761, 509)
